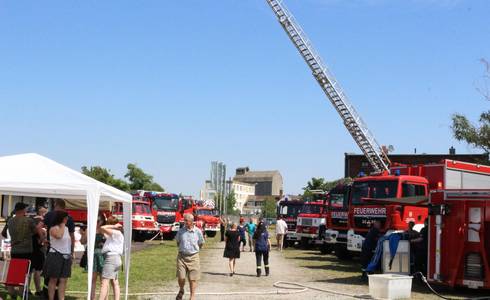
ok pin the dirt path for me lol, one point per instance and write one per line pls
(215, 277)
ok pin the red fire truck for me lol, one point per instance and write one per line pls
(397, 199)
(78, 211)
(459, 226)
(386, 198)
(143, 223)
(459, 238)
(289, 211)
(169, 210)
(207, 218)
(337, 220)
(312, 216)
(458, 245)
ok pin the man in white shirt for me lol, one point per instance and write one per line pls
(281, 230)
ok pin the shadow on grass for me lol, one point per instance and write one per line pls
(228, 274)
(356, 279)
(245, 275)
(338, 268)
(326, 258)
(217, 274)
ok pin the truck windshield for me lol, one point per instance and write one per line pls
(338, 200)
(165, 203)
(373, 189)
(290, 210)
(311, 209)
(205, 212)
(141, 208)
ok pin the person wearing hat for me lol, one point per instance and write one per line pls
(21, 229)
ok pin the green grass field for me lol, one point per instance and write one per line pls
(150, 268)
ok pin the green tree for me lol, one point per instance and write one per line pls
(104, 175)
(322, 184)
(217, 202)
(139, 180)
(230, 204)
(269, 208)
(315, 184)
(476, 135)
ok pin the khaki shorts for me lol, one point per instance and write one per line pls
(188, 266)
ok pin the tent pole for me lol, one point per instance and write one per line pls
(9, 205)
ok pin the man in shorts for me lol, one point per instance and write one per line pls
(189, 240)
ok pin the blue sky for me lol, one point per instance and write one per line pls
(173, 85)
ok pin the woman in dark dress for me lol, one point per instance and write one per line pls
(232, 247)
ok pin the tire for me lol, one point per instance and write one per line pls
(211, 234)
(326, 248)
(289, 243)
(138, 237)
(341, 252)
(304, 243)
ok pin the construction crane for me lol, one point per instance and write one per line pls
(375, 154)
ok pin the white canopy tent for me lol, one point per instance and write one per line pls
(37, 176)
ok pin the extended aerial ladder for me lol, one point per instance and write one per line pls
(352, 120)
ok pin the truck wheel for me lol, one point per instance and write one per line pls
(341, 252)
(138, 237)
(326, 248)
(304, 243)
(211, 234)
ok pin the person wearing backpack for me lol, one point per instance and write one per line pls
(262, 248)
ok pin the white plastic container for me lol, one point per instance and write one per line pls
(390, 286)
(401, 261)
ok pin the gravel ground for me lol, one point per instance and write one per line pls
(306, 267)
(216, 279)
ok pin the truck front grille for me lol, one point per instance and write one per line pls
(165, 219)
(365, 222)
(291, 226)
(339, 222)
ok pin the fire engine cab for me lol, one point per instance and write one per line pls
(386, 198)
(207, 219)
(312, 216)
(142, 221)
(337, 220)
(289, 211)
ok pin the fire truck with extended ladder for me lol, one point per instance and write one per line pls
(397, 197)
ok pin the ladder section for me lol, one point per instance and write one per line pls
(352, 120)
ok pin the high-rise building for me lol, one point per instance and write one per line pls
(216, 188)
